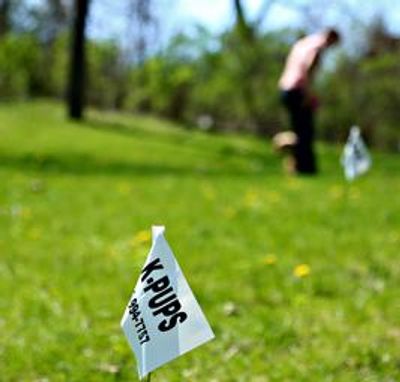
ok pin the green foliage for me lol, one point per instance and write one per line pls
(232, 82)
(106, 75)
(228, 81)
(19, 65)
(23, 59)
(161, 87)
(383, 115)
(165, 82)
(57, 77)
(363, 92)
(75, 198)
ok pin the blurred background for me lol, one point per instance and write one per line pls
(212, 65)
(105, 109)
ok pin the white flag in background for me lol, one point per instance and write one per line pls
(163, 319)
(355, 159)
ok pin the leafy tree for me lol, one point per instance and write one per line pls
(19, 65)
(362, 91)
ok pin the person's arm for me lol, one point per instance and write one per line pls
(311, 99)
(314, 64)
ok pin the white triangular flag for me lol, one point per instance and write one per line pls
(356, 159)
(163, 320)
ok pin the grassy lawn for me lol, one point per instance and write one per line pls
(75, 198)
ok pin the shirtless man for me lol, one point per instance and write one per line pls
(294, 86)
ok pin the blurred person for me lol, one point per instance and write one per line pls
(296, 95)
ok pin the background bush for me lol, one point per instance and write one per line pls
(215, 82)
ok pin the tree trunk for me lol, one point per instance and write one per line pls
(4, 17)
(77, 61)
(243, 26)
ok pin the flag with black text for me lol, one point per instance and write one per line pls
(163, 320)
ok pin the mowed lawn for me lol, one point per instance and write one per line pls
(299, 277)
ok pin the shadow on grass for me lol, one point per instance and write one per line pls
(78, 164)
(226, 150)
(109, 125)
(114, 127)
(256, 163)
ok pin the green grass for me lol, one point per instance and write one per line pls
(73, 197)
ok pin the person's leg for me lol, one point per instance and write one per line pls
(304, 150)
(288, 100)
(302, 122)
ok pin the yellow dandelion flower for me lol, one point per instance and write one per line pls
(269, 259)
(355, 194)
(208, 191)
(26, 213)
(251, 199)
(124, 188)
(229, 212)
(293, 184)
(273, 197)
(394, 237)
(336, 192)
(112, 252)
(35, 233)
(302, 270)
(141, 237)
